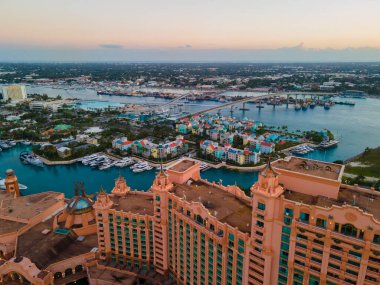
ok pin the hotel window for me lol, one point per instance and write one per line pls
(288, 212)
(261, 206)
(376, 239)
(321, 223)
(304, 217)
(349, 230)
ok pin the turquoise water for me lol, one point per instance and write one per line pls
(62, 178)
(357, 127)
(95, 105)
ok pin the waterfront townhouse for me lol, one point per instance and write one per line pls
(266, 147)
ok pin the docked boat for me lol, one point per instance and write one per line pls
(20, 186)
(26, 142)
(312, 105)
(124, 162)
(141, 166)
(328, 143)
(4, 145)
(30, 158)
(327, 106)
(297, 107)
(302, 150)
(11, 143)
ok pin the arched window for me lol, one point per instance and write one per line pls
(349, 230)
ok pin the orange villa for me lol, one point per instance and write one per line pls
(300, 225)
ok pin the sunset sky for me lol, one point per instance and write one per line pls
(79, 25)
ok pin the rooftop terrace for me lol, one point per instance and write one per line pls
(45, 249)
(310, 167)
(9, 226)
(129, 276)
(27, 207)
(183, 165)
(135, 203)
(366, 201)
(221, 204)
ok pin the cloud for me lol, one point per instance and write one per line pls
(110, 46)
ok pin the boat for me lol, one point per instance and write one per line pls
(30, 158)
(124, 162)
(305, 106)
(297, 107)
(327, 144)
(302, 149)
(20, 186)
(327, 106)
(312, 105)
(11, 142)
(4, 145)
(139, 165)
(26, 142)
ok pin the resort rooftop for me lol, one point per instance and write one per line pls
(221, 204)
(7, 226)
(366, 200)
(183, 165)
(139, 203)
(310, 167)
(27, 207)
(131, 276)
(44, 248)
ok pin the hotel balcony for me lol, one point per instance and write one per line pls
(369, 282)
(254, 281)
(309, 227)
(351, 240)
(256, 259)
(256, 267)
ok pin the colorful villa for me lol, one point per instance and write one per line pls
(300, 225)
(228, 153)
(148, 149)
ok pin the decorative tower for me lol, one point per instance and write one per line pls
(161, 186)
(11, 183)
(103, 201)
(267, 183)
(121, 188)
(102, 205)
(265, 194)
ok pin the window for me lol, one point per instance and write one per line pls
(288, 212)
(304, 217)
(321, 223)
(349, 230)
(376, 239)
(261, 206)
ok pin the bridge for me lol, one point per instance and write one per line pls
(262, 98)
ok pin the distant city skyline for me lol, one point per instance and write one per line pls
(167, 30)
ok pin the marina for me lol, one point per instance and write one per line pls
(41, 179)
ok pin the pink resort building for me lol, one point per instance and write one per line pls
(299, 225)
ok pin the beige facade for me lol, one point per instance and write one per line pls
(14, 93)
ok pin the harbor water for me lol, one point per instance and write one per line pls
(62, 178)
(356, 127)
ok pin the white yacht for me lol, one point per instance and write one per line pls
(30, 158)
(2, 185)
